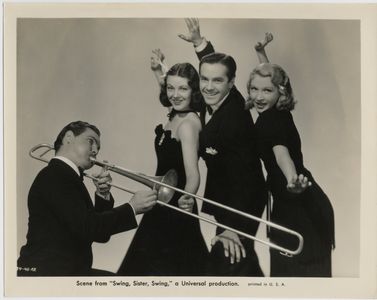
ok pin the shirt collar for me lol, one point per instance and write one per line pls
(69, 163)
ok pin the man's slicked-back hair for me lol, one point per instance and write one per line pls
(221, 58)
(77, 128)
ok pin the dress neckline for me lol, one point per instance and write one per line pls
(164, 134)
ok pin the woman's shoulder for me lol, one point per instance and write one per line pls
(190, 125)
(191, 120)
(192, 116)
(276, 115)
(274, 120)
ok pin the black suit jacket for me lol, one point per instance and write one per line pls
(234, 176)
(63, 223)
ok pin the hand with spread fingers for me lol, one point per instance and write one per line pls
(157, 60)
(159, 66)
(233, 247)
(298, 184)
(261, 45)
(260, 48)
(193, 35)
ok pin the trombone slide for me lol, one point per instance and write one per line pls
(158, 182)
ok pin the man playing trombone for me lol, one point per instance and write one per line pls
(63, 223)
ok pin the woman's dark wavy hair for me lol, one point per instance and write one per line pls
(77, 128)
(184, 70)
(280, 79)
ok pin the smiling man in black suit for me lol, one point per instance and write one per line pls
(227, 144)
(63, 223)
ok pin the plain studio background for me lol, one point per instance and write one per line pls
(98, 70)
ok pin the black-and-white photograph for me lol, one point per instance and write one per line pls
(181, 152)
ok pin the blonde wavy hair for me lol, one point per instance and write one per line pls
(280, 79)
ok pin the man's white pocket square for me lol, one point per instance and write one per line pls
(211, 151)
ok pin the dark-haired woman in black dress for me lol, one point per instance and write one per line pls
(167, 242)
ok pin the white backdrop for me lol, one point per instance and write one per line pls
(97, 70)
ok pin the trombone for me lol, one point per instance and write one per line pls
(166, 186)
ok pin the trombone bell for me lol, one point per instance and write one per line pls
(165, 194)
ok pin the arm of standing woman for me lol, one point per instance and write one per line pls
(158, 66)
(188, 134)
(262, 57)
(295, 184)
(260, 48)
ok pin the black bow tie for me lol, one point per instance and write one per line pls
(81, 174)
(209, 110)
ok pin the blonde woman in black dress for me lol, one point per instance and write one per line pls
(298, 201)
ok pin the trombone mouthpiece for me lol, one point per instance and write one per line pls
(103, 164)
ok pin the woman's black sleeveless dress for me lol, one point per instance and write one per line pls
(310, 213)
(167, 242)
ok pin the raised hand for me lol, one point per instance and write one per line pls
(193, 35)
(233, 247)
(157, 60)
(298, 184)
(262, 44)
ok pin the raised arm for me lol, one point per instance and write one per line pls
(158, 66)
(193, 36)
(260, 48)
(295, 184)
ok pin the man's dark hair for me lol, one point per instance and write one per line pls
(184, 70)
(220, 58)
(77, 128)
